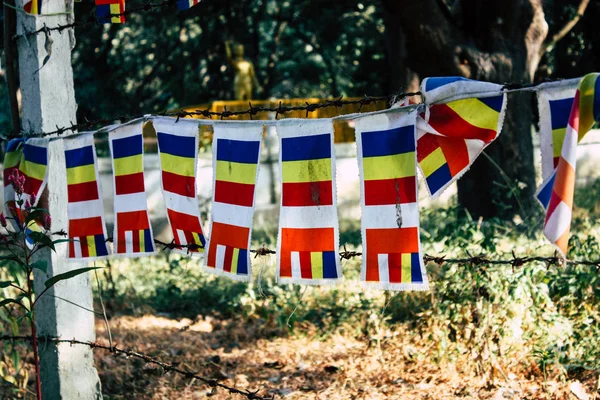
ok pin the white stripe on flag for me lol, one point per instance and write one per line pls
(385, 216)
(307, 217)
(220, 257)
(569, 148)
(384, 268)
(558, 223)
(129, 241)
(296, 273)
(130, 202)
(85, 209)
(181, 236)
(77, 247)
(232, 214)
(182, 204)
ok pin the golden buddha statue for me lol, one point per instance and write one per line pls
(244, 81)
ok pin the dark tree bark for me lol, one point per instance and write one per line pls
(498, 41)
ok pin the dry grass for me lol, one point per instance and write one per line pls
(253, 356)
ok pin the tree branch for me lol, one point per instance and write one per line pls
(551, 42)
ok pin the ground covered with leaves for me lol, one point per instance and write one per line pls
(483, 331)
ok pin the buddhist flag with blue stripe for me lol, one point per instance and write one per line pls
(462, 118)
(555, 100)
(110, 11)
(236, 154)
(34, 165)
(183, 5)
(178, 150)
(133, 232)
(386, 148)
(557, 192)
(87, 228)
(308, 223)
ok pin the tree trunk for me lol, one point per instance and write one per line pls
(497, 41)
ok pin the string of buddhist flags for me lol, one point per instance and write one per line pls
(443, 137)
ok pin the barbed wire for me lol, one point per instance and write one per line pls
(207, 113)
(93, 20)
(251, 395)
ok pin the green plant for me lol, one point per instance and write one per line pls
(22, 246)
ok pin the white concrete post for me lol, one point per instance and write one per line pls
(48, 98)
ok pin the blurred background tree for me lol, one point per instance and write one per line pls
(300, 48)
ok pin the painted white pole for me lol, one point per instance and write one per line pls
(48, 101)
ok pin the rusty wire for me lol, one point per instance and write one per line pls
(251, 111)
(251, 395)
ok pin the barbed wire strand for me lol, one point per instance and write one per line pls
(251, 395)
(207, 113)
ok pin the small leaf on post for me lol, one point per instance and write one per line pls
(4, 284)
(68, 275)
(41, 265)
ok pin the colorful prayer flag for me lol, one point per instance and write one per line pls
(236, 154)
(12, 159)
(178, 149)
(33, 7)
(584, 113)
(183, 5)
(133, 232)
(85, 209)
(392, 258)
(110, 11)
(555, 100)
(461, 119)
(308, 224)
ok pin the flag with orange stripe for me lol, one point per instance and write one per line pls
(461, 118)
(386, 145)
(561, 184)
(236, 154)
(178, 153)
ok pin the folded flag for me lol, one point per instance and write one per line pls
(584, 113)
(33, 7)
(133, 232)
(183, 5)
(12, 159)
(555, 100)
(34, 166)
(307, 249)
(386, 145)
(236, 152)
(462, 118)
(178, 149)
(87, 229)
(110, 11)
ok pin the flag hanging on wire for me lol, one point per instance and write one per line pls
(183, 5)
(585, 111)
(236, 153)
(307, 249)
(133, 232)
(555, 100)
(85, 209)
(110, 11)
(178, 149)
(12, 159)
(392, 258)
(462, 117)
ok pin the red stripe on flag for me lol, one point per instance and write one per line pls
(121, 242)
(178, 184)
(83, 192)
(127, 184)
(395, 267)
(184, 222)
(426, 145)
(85, 250)
(228, 258)
(32, 185)
(303, 239)
(305, 265)
(305, 194)
(386, 241)
(240, 194)
(136, 241)
(85, 227)
(449, 123)
(132, 220)
(391, 191)
(456, 154)
(226, 235)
